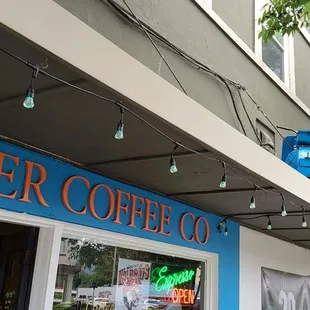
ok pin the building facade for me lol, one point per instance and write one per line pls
(107, 227)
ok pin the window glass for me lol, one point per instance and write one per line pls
(272, 51)
(92, 275)
(273, 57)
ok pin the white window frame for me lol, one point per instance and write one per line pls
(48, 250)
(288, 51)
(204, 3)
(306, 34)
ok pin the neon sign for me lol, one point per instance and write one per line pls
(168, 281)
(183, 296)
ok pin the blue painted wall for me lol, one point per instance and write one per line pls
(58, 172)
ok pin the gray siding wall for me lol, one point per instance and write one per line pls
(186, 26)
(239, 16)
(302, 68)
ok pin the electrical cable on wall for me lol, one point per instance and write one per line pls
(200, 66)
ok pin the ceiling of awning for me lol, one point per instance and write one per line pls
(81, 128)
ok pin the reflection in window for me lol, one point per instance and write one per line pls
(92, 275)
(273, 56)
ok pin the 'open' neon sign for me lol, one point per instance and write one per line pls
(183, 296)
(168, 281)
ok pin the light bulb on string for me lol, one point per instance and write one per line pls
(173, 163)
(283, 209)
(223, 182)
(29, 100)
(304, 221)
(221, 225)
(226, 231)
(119, 135)
(269, 227)
(252, 202)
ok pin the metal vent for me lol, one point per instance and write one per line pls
(266, 135)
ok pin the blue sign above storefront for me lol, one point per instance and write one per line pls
(42, 186)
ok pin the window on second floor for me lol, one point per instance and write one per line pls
(273, 55)
(278, 53)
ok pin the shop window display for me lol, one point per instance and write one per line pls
(92, 275)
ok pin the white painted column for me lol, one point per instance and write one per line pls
(68, 287)
(45, 270)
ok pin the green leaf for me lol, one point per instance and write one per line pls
(307, 7)
(303, 2)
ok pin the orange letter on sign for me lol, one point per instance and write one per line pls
(119, 205)
(164, 219)
(182, 226)
(9, 175)
(35, 186)
(92, 202)
(206, 231)
(149, 215)
(65, 189)
(135, 211)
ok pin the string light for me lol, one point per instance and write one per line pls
(269, 227)
(220, 226)
(283, 210)
(223, 183)
(252, 202)
(119, 135)
(29, 100)
(304, 222)
(173, 163)
(226, 230)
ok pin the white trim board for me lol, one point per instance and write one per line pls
(161, 98)
(256, 58)
(305, 34)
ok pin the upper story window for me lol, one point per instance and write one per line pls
(278, 53)
(273, 54)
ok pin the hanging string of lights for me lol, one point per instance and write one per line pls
(29, 103)
(119, 135)
(303, 213)
(147, 31)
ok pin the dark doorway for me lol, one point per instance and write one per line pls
(17, 255)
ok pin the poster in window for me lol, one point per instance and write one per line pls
(133, 280)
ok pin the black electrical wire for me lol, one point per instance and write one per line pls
(268, 119)
(156, 47)
(234, 104)
(145, 28)
(192, 60)
(249, 118)
(256, 217)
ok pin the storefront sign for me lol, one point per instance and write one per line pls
(183, 296)
(42, 186)
(101, 201)
(167, 281)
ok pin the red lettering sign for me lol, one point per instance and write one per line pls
(154, 217)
